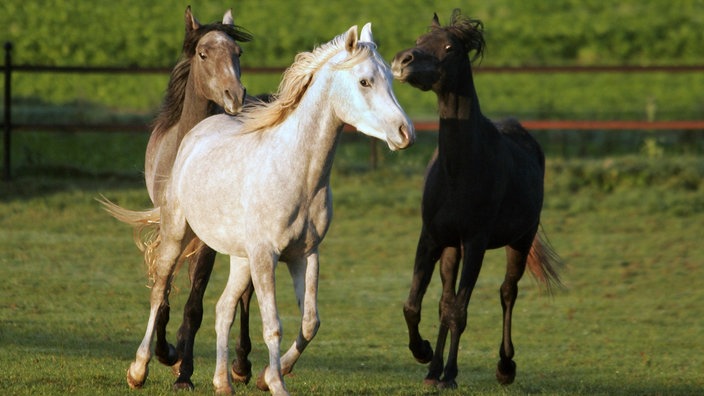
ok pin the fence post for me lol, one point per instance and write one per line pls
(8, 110)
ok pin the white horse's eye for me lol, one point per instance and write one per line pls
(365, 83)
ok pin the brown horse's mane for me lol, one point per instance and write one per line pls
(469, 31)
(172, 106)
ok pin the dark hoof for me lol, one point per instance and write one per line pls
(451, 384)
(425, 354)
(183, 385)
(506, 372)
(171, 357)
(241, 373)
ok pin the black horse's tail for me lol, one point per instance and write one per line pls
(544, 263)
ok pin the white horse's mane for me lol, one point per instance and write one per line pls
(296, 80)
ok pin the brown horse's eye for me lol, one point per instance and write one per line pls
(202, 55)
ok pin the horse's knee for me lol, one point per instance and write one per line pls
(310, 326)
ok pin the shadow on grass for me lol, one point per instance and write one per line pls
(30, 182)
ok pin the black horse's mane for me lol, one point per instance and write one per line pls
(469, 31)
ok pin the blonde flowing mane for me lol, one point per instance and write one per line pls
(296, 80)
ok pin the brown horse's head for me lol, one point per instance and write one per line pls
(440, 53)
(215, 60)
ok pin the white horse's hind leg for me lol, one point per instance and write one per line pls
(305, 282)
(168, 252)
(237, 282)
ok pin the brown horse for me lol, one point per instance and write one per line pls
(205, 81)
(483, 190)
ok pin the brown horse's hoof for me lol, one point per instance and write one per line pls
(431, 382)
(135, 383)
(506, 372)
(239, 374)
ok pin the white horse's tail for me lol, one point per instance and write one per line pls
(146, 224)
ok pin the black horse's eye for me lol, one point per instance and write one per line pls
(448, 48)
(365, 83)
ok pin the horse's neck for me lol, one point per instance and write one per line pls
(460, 129)
(195, 109)
(313, 130)
(163, 145)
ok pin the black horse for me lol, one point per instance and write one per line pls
(483, 190)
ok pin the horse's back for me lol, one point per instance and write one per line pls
(512, 129)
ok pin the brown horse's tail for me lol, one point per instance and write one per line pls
(544, 263)
(146, 224)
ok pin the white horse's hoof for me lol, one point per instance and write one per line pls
(136, 381)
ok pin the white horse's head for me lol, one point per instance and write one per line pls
(365, 98)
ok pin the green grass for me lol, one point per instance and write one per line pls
(74, 303)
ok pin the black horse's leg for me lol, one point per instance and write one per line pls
(426, 256)
(515, 266)
(241, 366)
(454, 312)
(449, 263)
(203, 261)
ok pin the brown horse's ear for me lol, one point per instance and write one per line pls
(436, 21)
(227, 19)
(351, 39)
(191, 21)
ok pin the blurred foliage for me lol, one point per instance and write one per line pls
(134, 32)
(566, 32)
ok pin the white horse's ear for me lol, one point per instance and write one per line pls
(227, 18)
(366, 35)
(351, 39)
(191, 21)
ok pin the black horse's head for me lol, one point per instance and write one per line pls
(441, 53)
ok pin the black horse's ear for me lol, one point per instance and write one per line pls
(191, 21)
(436, 21)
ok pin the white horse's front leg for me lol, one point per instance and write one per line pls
(225, 311)
(304, 273)
(262, 266)
(168, 253)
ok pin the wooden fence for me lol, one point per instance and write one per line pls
(580, 125)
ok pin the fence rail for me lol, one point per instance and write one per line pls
(421, 125)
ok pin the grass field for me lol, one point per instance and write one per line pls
(74, 301)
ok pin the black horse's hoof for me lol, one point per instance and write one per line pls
(506, 372)
(183, 385)
(425, 354)
(168, 359)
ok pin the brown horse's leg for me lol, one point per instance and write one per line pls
(515, 266)
(454, 310)
(165, 352)
(203, 262)
(426, 256)
(241, 366)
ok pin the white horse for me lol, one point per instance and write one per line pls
(257, 187)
